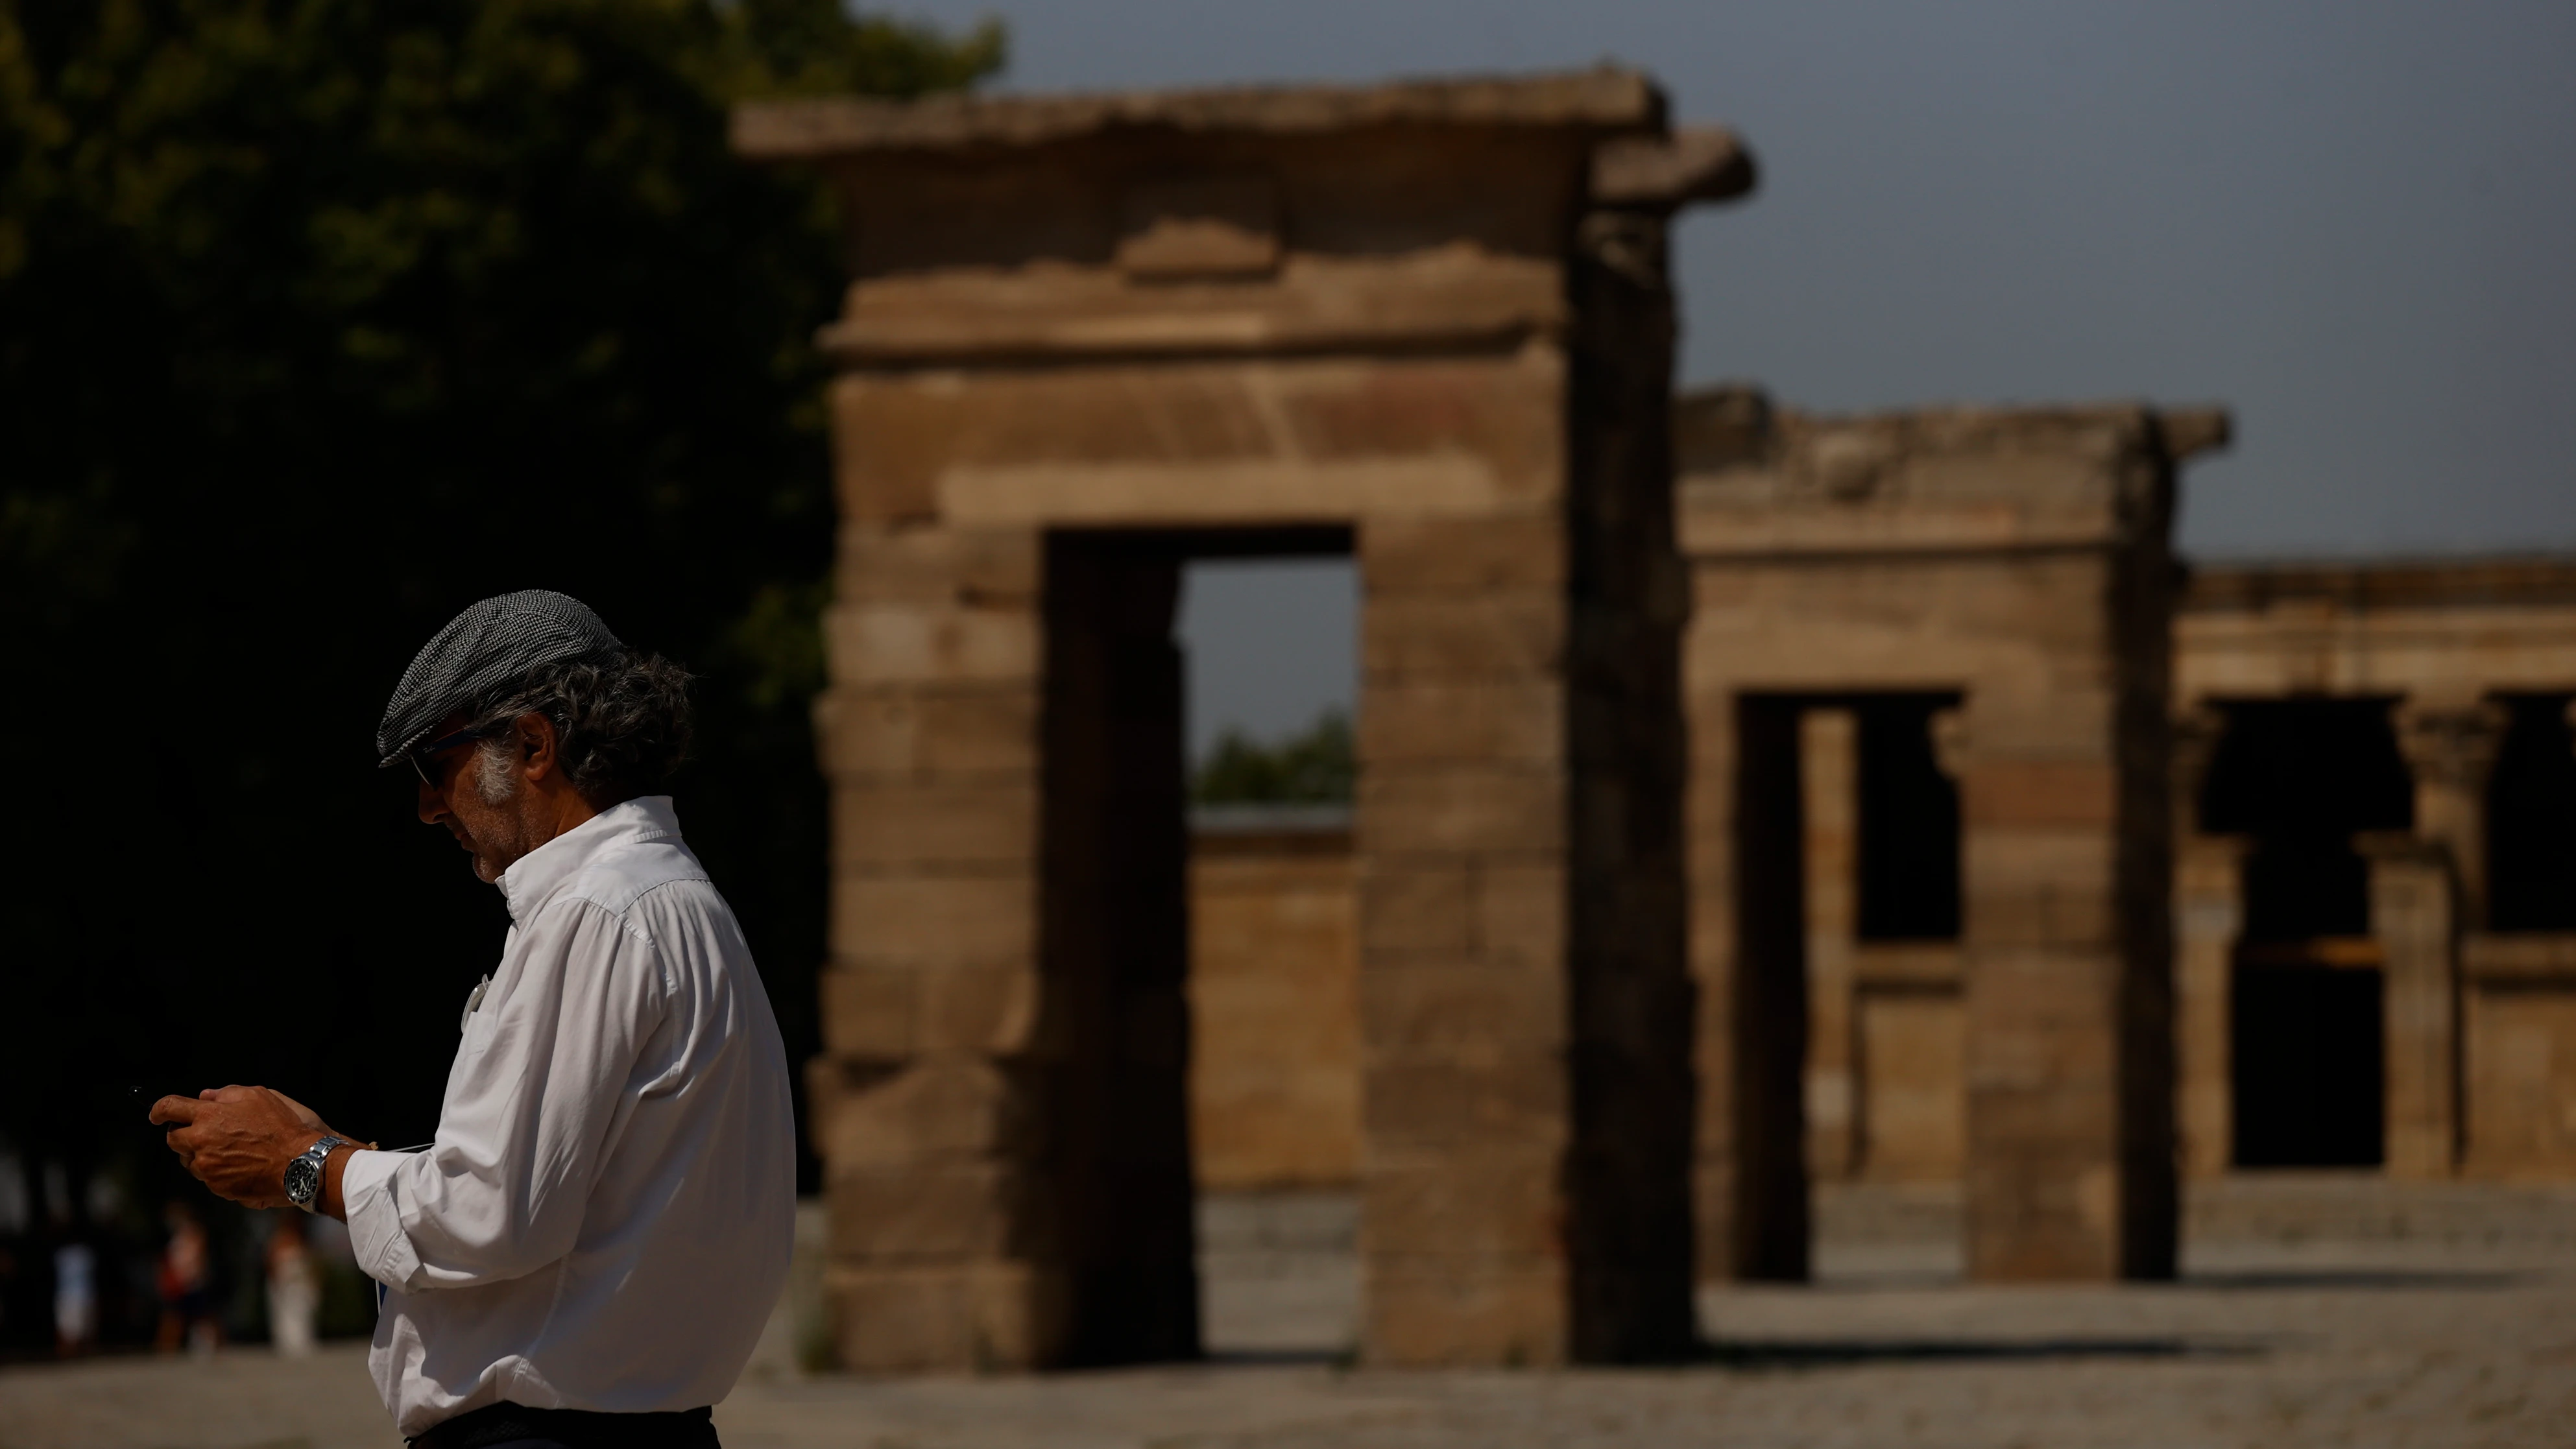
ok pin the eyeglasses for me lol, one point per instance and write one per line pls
(421, 758)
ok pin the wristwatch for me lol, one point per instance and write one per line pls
(304, 1174)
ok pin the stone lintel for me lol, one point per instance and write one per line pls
(1662, 174)
(1759, 483)
(2519, 957)
(2503, 581)
(2190, 432)
(1438, 303)
(1607, 99)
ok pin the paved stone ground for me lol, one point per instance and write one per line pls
(2314, 1312)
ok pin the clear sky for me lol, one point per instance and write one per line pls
(2353, 223)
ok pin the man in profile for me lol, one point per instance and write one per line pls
(587, 1252)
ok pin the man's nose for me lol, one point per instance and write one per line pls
(433, 806)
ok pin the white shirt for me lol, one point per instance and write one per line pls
(605, 1219)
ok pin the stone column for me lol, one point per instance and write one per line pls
(2423, 894)
(2450, 745)
(1628, 1227)
(1461, 860)
(2413, 913)
(2050, 1011)
(920, 1111)
(1829, 784)
(2209, 916)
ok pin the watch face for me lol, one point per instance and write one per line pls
(302, 1177)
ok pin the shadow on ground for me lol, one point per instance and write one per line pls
(2358, 1280)
(1842, 1352)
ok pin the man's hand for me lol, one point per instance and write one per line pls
(238, 1140)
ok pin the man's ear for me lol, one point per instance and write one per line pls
(536, 746)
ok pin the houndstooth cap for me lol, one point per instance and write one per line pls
(488, 645)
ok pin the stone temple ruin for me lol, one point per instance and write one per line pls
(1968, 613)
(1747, 801)
(1426, 326)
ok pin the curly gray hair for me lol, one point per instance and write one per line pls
(621, 721)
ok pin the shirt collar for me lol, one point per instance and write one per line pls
(534, 877)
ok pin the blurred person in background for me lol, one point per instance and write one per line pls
(187, 1307)
(75, 1296)
(588, 1251)
(294, 1288)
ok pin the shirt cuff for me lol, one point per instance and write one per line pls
(376, 1234)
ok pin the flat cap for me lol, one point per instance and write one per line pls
(487, 646)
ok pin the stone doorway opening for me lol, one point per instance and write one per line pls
(1853, 1058)
(1271, 661)
(1114, 931)
(2302, 781)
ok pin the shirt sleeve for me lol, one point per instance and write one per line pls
(539, 1092)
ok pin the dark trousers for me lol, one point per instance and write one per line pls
(511, 1426)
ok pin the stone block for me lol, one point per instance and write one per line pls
(1446, 1006)
(1197, 492)
(2076, 915)
(989, 1007)
(1491, 1204)
(869, 1012)
(1402, 557)
(1416, 906)
(2040, 1123)
(934, 920)
(1196, 227)
(1913, 1094)
(930, 1109)
(1521, 911)
(930, 644)
(954, 566)
(2521, 1040)
(911, 730)
(2041, 705)
(2031, 889)
(1510, 1313)
(1501, 411)
(1513, 634)
(1274, 1023)
(890, 438)
(977, 1318)
(1405, 720)
(1484, 808)
(882, 824)
(2021, 999)
(945, 1212)
(2040, 1219)
(1491, 1094)
(2040, 794)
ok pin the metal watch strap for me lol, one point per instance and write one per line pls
(312, 1158)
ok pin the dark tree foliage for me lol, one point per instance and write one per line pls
(320, 319)
(1317, 766)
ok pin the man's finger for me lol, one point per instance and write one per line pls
(234, 1093)
(175, 1109)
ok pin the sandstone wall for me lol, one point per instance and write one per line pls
(1274, 1007)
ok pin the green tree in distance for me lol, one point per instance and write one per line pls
(320, 319)
(1312, 767)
